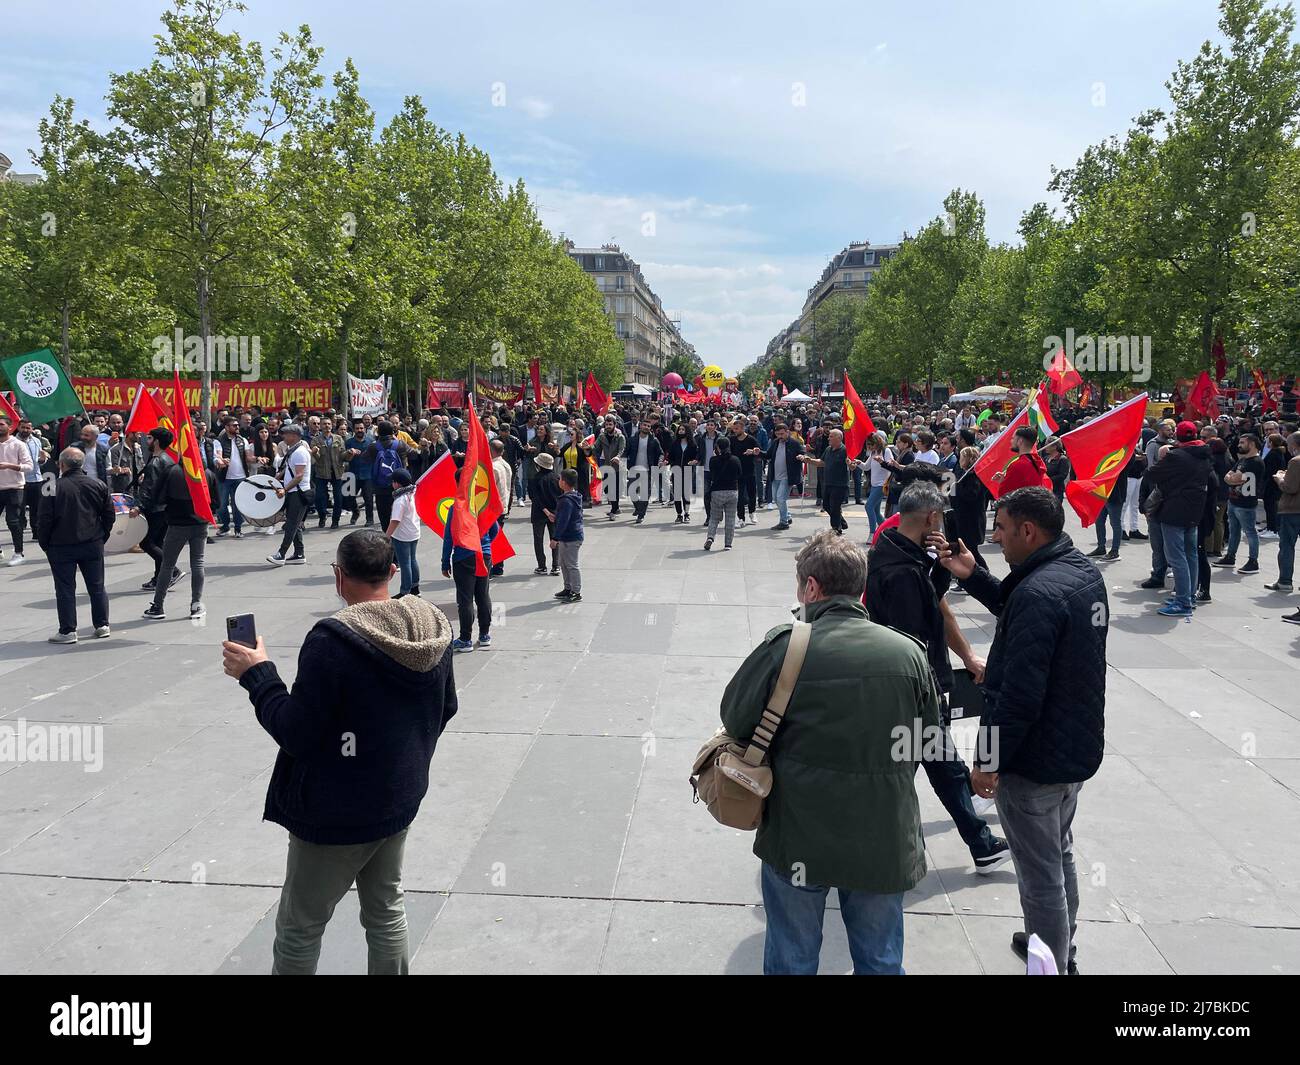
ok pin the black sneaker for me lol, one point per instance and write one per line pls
(562, 594)
(1151, 583)
(177, 574)
(540, 571)
(355, 519)
(998, 855)
(576, 597)
(1292, 619)
(1277, 586)
(296, 560)
(781, 526)
(154, 613)
(1226, 560)
(150, 585)
(1097, 552)
(1112, 556)
(708, 543)
(1020, 945)
(1203, 596)
(1251, 566)
(1136, 535)
(1126, 534)
(276, 559)
(555, 571)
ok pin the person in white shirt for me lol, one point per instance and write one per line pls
(15, 463)
(295, 475)
(233, 455)
(404, 531)
(926, 453)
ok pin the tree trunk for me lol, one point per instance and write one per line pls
(65, 331)
(1207, 338)
(343, 370)
(205, 331)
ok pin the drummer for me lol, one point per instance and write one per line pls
(125, 459)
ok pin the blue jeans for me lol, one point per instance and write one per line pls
(1240, 518)
(1112, 512)
(781, 494)
(226, 492)
(1288, 527)
(408, 566)
(794, 928)
(1180, 550)
(874, 499)
(1159, 565)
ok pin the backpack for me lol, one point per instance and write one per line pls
(385, 463)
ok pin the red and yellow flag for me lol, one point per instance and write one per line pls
(9, 411)
(477, 503)
(435, 492)
(147, 413)
(1268, 402)
(855, 419)
(1098, 452)
(1062, 374)
(188, 457)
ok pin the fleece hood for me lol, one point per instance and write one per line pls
(410, 631)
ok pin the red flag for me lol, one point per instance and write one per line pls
(1203, 399)
(595, 395)
(477, 503)
(1085, 396)
(1062, 374)
(1098, 453)
(8, 410)
(1269, 403)
(535, 369)
(187, 451)
(855, 419)
(147, 413)
(435, 492)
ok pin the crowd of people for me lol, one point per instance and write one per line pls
(883, 632)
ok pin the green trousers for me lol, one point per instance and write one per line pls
(316, 878)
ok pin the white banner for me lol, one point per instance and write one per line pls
(367, 397)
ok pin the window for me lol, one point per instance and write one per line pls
(600, 262)
(619, 286)
(621, 303)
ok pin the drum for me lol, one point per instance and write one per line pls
(127, 530)
(256, 499)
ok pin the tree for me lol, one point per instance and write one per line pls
(197, 129)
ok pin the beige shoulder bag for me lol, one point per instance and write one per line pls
(734, 781)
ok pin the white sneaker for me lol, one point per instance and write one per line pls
(197, 610)
(103, 633)
(1265, 534)
(18, 560)
(63, 637)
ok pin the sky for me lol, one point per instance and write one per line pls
(730, 148)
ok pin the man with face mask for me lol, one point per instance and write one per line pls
(905, 590)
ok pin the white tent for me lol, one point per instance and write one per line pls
(796, 397)
(635, 391)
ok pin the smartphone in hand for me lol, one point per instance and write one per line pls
(241, 629)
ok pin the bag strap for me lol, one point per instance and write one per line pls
(795, 651)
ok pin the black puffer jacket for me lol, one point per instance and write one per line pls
(1183, 477)
(1045, 682)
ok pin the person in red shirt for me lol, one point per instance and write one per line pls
(1027, 470)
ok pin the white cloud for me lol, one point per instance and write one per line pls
(535, 108)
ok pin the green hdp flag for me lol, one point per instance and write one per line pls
(41, 388)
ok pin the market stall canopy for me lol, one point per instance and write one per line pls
(796, 397)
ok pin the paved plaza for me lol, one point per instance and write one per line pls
(558, 834)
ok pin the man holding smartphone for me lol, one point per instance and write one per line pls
(373, 692)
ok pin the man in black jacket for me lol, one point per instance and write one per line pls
(783, 471)
(1183, 477)
(1043, 728)
(905, 590)
(373, 692)
(151, 502)
(72, 526)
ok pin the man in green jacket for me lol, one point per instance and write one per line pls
(843, 811)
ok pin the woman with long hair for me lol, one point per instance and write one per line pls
(878, 471)
(970, 503)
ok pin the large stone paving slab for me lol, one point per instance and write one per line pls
(558, 834)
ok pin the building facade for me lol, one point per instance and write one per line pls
(7, 174)
(650, 335)
(850, 272)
